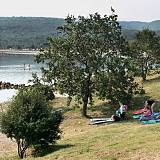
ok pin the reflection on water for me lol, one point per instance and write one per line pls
(16, 69)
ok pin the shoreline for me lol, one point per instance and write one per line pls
(16, 51)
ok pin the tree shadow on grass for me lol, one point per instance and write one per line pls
(43, 151)
(107, 109)
(138, 102)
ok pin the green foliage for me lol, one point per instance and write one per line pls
(30, 120)
(89, 57)
(118, 84)
(46, 89)
(146, 49)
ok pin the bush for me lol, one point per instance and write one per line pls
(47, 90)
(30, 120)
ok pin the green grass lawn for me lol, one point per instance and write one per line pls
(127, 140)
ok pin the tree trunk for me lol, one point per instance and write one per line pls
(143, 74)
(145, 69)
(86, 96)
(84, 110)
(144, 77)
(21, 148)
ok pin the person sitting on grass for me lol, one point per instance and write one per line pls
(147, 110)
(120, 113)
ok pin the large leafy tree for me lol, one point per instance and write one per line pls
(87, 55)
(30, 120)
(146, 51)
(118, 83)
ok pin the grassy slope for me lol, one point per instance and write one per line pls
(128, 140)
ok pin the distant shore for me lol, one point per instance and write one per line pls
(16, 51)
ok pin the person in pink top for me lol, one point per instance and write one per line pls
(147, 110)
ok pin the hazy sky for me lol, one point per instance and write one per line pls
(144, 10)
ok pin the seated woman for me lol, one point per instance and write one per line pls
(151, 104)
(147, 110)
(120, 113)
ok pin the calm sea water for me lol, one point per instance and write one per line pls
(17, 69)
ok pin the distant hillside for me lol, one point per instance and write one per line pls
(130, 28)
(32, 32)
(133, 25)
(27, 32)
(136, 25)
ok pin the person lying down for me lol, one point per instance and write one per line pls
(119, 115)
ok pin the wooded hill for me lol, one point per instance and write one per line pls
(27, 32)
(137, 25)
(32, 32)
(130, 28)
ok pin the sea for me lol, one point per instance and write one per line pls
(16, 69)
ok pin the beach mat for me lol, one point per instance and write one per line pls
(101, 119)
(140, 111)
(94, 121)
(137, 116)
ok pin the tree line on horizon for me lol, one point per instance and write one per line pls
(32, 32)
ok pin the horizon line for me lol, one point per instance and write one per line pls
(66, 16)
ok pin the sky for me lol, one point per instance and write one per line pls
(130, 10)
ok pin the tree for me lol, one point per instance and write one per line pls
(83, 53)
(30, 120)
(117, 84)
(146, 51)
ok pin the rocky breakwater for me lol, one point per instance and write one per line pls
(8, 85)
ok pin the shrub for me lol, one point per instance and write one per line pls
(30, 120)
